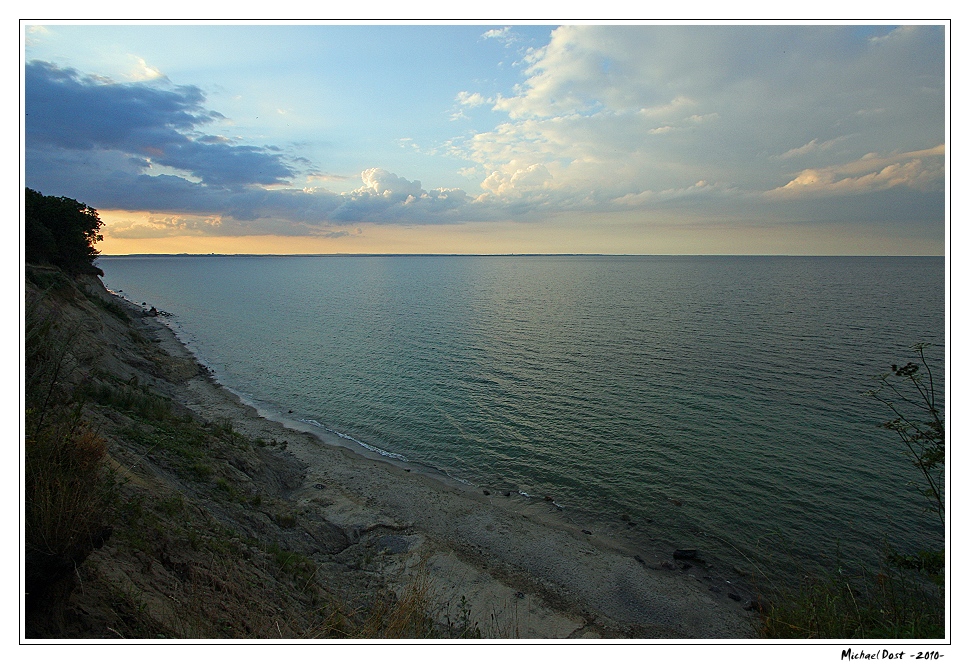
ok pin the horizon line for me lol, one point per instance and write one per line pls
(504, 255)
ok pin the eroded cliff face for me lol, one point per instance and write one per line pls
(199, 539)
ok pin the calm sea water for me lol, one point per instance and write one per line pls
(718, 401)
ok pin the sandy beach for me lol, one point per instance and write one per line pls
(516, 566)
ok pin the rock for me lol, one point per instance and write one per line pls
(393, 544)
(587, 532)
(755, 605)
(508, 493)
(486, 492)
(685, 554)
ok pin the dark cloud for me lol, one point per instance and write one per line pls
(68, 111)
(99, 141)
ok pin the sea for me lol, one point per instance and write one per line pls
(708, 402)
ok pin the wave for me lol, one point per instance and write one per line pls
(372, 448)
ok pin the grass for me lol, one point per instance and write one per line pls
(408, 614)
(892, 603)
(130, 398)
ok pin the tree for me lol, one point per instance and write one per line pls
(61, 231)
(910, 393)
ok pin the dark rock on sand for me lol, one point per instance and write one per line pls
(755, 605)
(393, 544)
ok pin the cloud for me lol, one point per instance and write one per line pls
(634, 113)
(811, 147)
(740, 121)
(142, 71)
(470, 99)
(504, 35)
(165, 226)
(517, 183)
(387, 197)
(69, 112)
(922, 170)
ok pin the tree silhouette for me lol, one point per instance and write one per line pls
(60, 231)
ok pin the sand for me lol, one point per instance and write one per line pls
(515, 567)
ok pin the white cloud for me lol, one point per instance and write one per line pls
(809, 148)
(504, 35)
(142, 71)
(470, 99)
(520, 180)
(634, 113)
(388, 185)
(922, 170)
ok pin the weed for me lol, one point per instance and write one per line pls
(201, 470)
(285, 520)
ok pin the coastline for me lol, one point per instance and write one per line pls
(516, 566)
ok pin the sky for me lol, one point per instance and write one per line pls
(494, 138)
